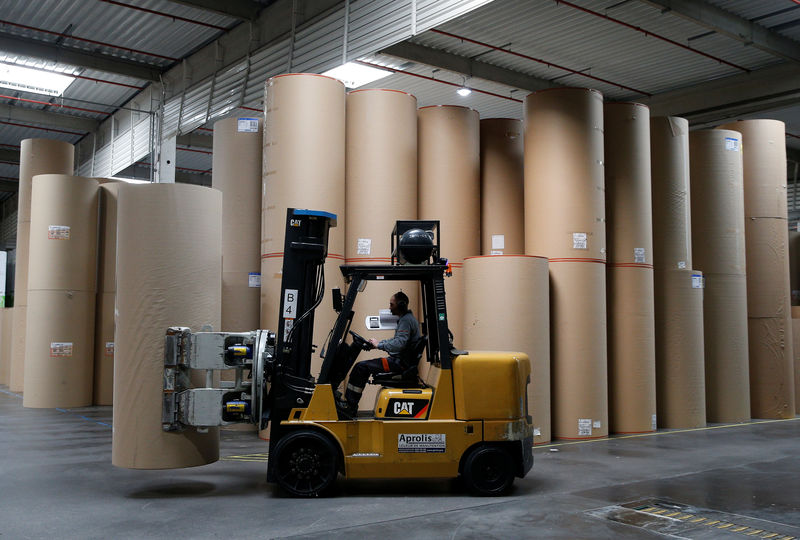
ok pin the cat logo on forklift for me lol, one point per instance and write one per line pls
(408, 408)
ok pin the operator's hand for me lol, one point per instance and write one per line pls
(374, 343)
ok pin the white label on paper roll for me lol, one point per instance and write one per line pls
(584, 426)
(290, 303)
(638, 255)
(109, 348)
(61, 349)
(681, 264)
(537, 432)
(364, 246)
(58, 232)
(496, 252)
(498, 241)
(732, 143)
(247, 125)
(597, 424)
(697, 281)
(653, 423)
(254, 280)
(579, 240)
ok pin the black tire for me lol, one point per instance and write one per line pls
(488, 471)
(305, 463)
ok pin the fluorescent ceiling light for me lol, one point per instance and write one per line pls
(354, 75)
(33, 80)
(463, 91)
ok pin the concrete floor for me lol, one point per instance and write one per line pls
(724, 482)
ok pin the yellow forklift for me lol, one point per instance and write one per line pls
(468, 417)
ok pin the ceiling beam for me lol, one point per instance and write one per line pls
(245, 10)
(53, 119)
(78, 57)
(9, 186)
(194, 140)
(9, 155)
(733, 26)
(466, 66)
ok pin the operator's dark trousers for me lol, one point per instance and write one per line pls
(361, 372)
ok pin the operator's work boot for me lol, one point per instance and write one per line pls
(349, 410)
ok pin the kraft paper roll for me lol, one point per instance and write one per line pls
(236, 172)
(726, 347)
(772, 393)
(63, 248)
(680, 373)
(672, 223)
(767, 268)
(7, 340)
(22, 270)
(578, 350)
(5, 360)
(629, 215)
(631, 350)
(449, 191)
(16, 373)
(764, 155)
(718, 244)
(104, 349)
(107, 245)
(304, 167)
(59, 348)
(169, 266)
(564, 182)
(502, 182)
(796, 355)
(16, 376)
(794, 267)
(506, 307)
(380, 188)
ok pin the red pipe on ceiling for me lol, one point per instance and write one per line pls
(43, 128)
(162, 14)
(59, 105)
(648, 33)
(545, 62)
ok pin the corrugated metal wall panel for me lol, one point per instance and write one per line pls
(102, 162)
(122, 151)
(141, 139)
(194, 112)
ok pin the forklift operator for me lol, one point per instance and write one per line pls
(400, 348)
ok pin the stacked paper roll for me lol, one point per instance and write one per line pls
(794, 267)
(718, 241)
(304, 148)
(631, 326)
(502, 182)
(169, 273)
(449, 191)
(796, 355)
(5, 360)
(680, 373)
(767, 251)
(381, 188)
(565, 221)
(106, 293)
(506, 307)
(236, 172)
(37, 156)
(62, 285)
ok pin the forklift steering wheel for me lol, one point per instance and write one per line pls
(361, 342)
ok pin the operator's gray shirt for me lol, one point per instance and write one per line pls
(401, 346)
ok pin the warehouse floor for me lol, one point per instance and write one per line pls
(729, 481)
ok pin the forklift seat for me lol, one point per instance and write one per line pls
(403, 379)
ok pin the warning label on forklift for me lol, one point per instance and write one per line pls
(60, 349)
(419, 443)
(58, 232)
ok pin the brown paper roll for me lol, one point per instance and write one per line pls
(502, 182)
(168, 274)
(63, 248)
(631, 350)
(236, 172)
(22, 271)
(40, 156)
(629, 215)
(794, 267)
(578, 350)
(304, 148)
(680, 374)
(771, 368)
(16, 375)
(718, 244)
(672, 223)
(796, 355)
(506, 307)
(726, 347)
(449, 191)
(5, 360)
(764, 156)
(7, 340)
(107, 244)
(59, 348)
(767, 268)
(564, 184)
(104, 349)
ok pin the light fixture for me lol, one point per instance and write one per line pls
(354, 75)
(33, 80)
(463, 91)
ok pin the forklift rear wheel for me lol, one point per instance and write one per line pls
(305, 463)
(488, 471)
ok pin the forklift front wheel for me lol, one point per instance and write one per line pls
(488, 471)
(305, 463)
